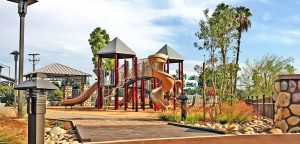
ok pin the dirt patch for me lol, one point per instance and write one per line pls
(13, 131)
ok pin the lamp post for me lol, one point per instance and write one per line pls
(22, 10)
(15, 54)
(36, 105)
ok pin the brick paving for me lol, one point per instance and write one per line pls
(99, 126)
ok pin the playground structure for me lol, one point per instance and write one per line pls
(150, 74)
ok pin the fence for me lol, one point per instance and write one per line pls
(263, 107)
(199, 100)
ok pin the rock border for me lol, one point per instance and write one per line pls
(75, 128)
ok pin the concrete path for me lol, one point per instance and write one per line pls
(99, 126)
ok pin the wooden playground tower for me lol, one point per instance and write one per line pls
(117, 50)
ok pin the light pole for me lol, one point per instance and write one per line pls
(16, 54)
(22, 10)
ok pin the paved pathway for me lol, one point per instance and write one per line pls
(98, 126)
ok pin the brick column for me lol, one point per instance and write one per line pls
(88, 102)
(67, 91)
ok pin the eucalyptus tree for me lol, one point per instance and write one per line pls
(98, 39)
(243, 15)
(224, 25)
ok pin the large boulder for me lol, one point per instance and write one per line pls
(296, 98)
(295, 109)
(283, 99)
(293, 120)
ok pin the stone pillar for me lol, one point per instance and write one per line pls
(67, 91)
(287, 103)
(88, 102)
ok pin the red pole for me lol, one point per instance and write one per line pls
(136, 84)
(99, 84)
(154, 86)
(143, 94)
(132, 87)
(157, 85)
(179, 71)
(182, 76)
(116, 81)
(125, 86)
(174, 90)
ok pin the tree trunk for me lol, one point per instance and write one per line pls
(237, 58)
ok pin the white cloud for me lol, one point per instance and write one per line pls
(59, 29)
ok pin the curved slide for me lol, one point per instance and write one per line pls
(80, 99)
(157, 62)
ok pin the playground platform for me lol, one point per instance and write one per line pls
(114, 126)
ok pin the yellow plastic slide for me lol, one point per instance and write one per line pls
(157, 62)
(80, 99)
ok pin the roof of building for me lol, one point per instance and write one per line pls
(116, 46)
(174, 57)
(59, 70)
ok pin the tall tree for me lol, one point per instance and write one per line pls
(98, 39)
(224, 23)
(243, 15)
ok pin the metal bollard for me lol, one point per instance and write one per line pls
(36, 106)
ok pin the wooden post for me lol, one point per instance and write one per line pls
(263, 106)
(257, 105)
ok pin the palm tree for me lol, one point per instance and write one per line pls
(243, 18)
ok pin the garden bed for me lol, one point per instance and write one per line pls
(60, 132)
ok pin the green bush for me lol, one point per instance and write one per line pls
(55, 95)
(194, 118)
(173, 117)
(8, 93)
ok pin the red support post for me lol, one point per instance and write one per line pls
(154, 87)
(132, 87)
(182, 76)
(174, 91)
(99, 83)
(116, 81)
(143, 94)
(157, 84)
(136, 84)
(125, 86)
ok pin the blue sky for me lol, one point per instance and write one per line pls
(59, 29)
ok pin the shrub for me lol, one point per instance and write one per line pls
(55, 95)
(240, 112)
(173, 117)
(8, 94)
(194, 118)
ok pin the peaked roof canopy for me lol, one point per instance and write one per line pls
(59, 70)
(116, 46)
(173, 55)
